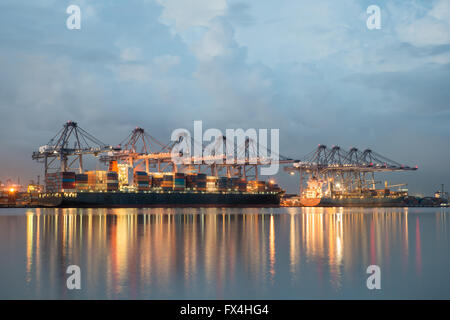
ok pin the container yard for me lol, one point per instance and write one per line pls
(136, 175)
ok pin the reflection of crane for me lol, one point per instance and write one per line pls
(70, 141)
(349, 171)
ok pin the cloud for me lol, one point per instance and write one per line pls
(239, 13)
(166, 62)
(133, 73)
(131, 54)
(46, 89)
(310, 68)
(132, 70)
(197, 13)
(303, 31)
(431, 30)
(218, 41)
(422, 91)
(227, 83)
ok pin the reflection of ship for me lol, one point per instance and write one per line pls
(393, 200)
(353, 202)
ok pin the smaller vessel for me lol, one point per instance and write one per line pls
(335, 196)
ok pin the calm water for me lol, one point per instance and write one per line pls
(225, 253)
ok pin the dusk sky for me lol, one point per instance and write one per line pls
(309, 68)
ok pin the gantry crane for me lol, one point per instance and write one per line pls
(140, 148)
(352, 170)
(65, 151)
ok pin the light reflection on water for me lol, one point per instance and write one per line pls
(286, 253)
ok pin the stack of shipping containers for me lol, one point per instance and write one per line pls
(239, 184)
(60, 182)
(242, 185)
(81, 182)
(123, 170)
(112, 181)
(179, 182)
(200, 182)
(97, 180)
(256, 186)
(224, 184)
(141, 181)
(156, 180)
(167, 182)
(191, 181)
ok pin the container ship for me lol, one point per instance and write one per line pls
(111, 189)
(141, 172)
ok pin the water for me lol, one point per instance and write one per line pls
(214, 253)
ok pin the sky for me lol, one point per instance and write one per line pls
(309, 68)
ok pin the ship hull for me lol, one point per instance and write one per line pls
(155, 199)
(353, 202)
